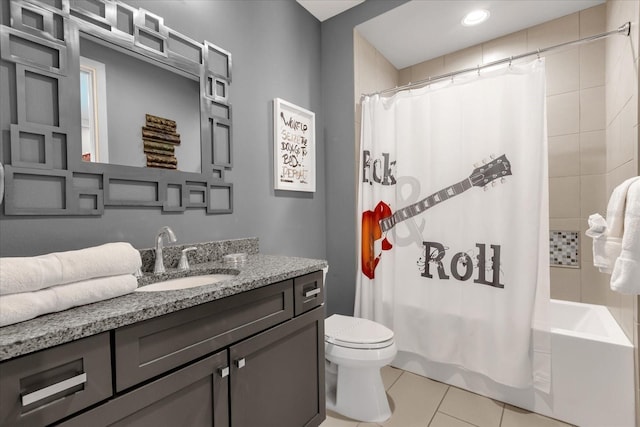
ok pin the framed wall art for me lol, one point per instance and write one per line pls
(294, 138)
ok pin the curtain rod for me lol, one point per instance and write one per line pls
(622, 30)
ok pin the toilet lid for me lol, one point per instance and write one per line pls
(354, 332)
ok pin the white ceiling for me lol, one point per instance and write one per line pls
(325, 9)
(420, 30)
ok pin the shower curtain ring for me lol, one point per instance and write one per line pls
(510, 61)
(478, 69)
(538, 53)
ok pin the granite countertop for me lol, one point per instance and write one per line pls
(58, 328)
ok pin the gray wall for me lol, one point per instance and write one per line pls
(279, 50)
(276, 53)
(338, 103)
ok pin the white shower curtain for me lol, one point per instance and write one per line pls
(453, 215)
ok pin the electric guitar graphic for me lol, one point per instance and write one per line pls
(377, 222)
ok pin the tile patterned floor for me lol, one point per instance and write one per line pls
(420, 402)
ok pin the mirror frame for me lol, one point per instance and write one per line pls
(42, 44)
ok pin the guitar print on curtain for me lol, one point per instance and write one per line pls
(453, 215)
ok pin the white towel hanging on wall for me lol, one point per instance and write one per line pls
(607, 234)
(625, 277)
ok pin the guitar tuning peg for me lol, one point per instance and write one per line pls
(493, 183)
(476, 165)
(503, 180)
(485, 188)
(492, 156)
(484, 161)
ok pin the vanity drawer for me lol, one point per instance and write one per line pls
(308, 291)
(150, 348)
(43, 387)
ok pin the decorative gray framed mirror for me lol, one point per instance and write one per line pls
(173, 106)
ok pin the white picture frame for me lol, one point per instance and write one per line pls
(294, 147)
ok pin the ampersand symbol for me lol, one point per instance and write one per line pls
(414, 230)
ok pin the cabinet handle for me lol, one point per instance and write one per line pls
(240, 363)
(48, 391)
(224, 372)
(312, 292)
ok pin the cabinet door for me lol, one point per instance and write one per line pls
(194, 396)
(277, 377)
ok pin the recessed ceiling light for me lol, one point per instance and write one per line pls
(475, 17)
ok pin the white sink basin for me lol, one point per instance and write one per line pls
(185, 282)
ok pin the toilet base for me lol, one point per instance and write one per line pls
(357, 393)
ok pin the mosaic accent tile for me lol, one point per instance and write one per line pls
(564, 249)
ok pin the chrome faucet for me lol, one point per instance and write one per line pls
(163, 232)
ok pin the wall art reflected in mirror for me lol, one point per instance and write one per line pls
(111, 108)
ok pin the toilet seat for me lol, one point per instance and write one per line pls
(356, 333)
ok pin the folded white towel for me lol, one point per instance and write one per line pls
(16, 308)
(28, 274)
(626, 270)
(608, 244)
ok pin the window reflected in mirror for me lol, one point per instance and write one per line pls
(93, 101)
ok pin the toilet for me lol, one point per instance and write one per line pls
(355, 350)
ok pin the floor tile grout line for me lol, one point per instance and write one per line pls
(439, 403)
(456, 418)
(396, 380)
(504, 405)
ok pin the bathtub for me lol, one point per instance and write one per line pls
(592, 371)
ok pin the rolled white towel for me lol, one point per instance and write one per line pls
(23, 306)
(597, 225)
(28, 274)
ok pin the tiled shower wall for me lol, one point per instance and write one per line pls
(621, 65)
(372, 72)
(592, 113)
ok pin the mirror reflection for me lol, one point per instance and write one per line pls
(118, 92)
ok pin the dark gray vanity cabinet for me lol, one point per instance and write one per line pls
(254, 359)
(277, 377)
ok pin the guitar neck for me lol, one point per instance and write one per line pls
(424, 204)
